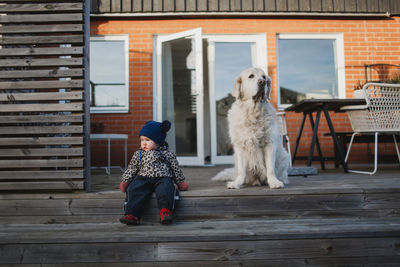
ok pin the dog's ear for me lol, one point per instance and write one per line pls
(268, 88)
(237, 88)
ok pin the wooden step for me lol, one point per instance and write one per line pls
(221, 204)
(326, 195)
(288, 242)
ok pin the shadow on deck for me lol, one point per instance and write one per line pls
(332, 218)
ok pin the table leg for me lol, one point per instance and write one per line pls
(298, 137)
(335, 140)
(316, 140)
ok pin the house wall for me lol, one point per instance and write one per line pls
(366, 41)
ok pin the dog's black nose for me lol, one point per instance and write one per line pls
(261, 83)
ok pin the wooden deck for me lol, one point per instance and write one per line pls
(331, 218)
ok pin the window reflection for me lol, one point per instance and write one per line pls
(230, 60)
(108, 73)
(179, 100)
(307, 69)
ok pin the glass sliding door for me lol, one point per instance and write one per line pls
(228, 56)
(180, 93)
(183, 93)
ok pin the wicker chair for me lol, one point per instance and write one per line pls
(381, 115)
(283, 131)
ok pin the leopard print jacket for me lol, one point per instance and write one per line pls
(153, 164)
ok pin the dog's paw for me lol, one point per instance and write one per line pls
(232, 185)
(275, 184)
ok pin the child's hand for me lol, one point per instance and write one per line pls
(183, 186)
(123, 186)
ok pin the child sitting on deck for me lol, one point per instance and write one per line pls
(153, 168)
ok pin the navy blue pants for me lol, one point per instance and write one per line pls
(139, 192)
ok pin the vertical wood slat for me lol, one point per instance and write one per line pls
(180, 5)
(259, 5)
(86, 97)
(293, 5)
(270, 5)
(202, 5)
(350, 5)
(42, 99)
(281, 6)
(191, 6)
(395, 7)
(362, 6)
(157, 5)
(327, 6)
(339, 5)
(316, 6)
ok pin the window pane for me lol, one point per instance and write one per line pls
(179, 101)
(230, 60)
(307, 69)
(107, 73)
(109, 96)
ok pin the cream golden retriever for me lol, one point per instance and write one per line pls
(260, 157)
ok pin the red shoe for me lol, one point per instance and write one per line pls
(165, 216)
(129, 219)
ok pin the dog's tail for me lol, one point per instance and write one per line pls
(228, 174)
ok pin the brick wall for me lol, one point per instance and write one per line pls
(368, 41)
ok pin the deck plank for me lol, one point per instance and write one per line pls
(214, 252)
(203, 241)
(210, 231)
(220, 206)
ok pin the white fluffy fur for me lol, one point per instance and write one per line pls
(253, 129)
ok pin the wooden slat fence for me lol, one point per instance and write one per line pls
(42, 99)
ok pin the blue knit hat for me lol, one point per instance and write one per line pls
(156, 131)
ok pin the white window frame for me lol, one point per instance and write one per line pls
(125, 108)
(339, 50)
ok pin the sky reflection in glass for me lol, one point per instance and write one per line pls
(107, 71)
(230, 60)
(307, 69)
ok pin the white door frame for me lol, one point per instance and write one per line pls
(157, 88)
(260, 59)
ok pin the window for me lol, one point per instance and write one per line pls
(310, 66)
(109, 74)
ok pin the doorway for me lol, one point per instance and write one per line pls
(194, 79)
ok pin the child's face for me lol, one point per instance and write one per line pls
(147, 144)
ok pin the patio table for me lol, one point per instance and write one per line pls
(310, 106)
